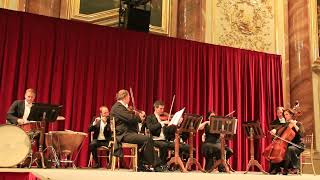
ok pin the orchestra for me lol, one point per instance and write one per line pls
(133, 126)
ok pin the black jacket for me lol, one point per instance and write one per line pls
(125, 121)
(96, 129)
(15, 111)
(153, 125)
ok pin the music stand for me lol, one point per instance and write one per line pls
(190, 124)
(226, 127)
(45, 113)
(176, 159)
(253, 131)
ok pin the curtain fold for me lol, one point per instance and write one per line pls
(82, 66)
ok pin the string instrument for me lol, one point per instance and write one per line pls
(133, 107)
(167, 116)
(276, 151)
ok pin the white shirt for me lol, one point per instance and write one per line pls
(282, 120)
(27, 108)
(102, 126)
(161, 136)
(125, 105)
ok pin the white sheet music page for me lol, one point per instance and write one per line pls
(176, 117)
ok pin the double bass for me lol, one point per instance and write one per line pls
(276, 151)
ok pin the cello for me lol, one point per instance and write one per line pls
(276, 151)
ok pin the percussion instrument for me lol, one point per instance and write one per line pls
(14, 147)
(31, 126)
(65, 143)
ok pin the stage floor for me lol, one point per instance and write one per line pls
(97, 174)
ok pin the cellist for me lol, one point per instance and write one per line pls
(291, 159)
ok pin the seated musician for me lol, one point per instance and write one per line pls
(101, 133)
(291, 159)
(280, 119)
(211, 148)
(157, 127)
(126, 123)
(20, 109)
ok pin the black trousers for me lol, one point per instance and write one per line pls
(140, 140)
(94, 144)
(291, 160)
(212, 151)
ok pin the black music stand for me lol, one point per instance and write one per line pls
(253, 131)
(45, 113)
(226, 127)
(190, 124)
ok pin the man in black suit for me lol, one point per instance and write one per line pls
(126, 123)
(20, 109)
(159, 130)
(101, 133)
(280, 120)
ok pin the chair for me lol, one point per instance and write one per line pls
(105, 149)
(133, 148)
(306, 157)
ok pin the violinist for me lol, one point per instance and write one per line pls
(291, 159)
(126, 123)
(157, 124)
(101, 133)
(211, 148)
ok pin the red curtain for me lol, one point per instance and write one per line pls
(82, 66)
(18, 175)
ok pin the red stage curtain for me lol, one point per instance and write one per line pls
(82, 66)
(18, 175)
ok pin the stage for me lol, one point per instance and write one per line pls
(97, 174)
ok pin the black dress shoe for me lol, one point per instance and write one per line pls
(144, 169)
(96, 165)
(285, 172)
(275, 171)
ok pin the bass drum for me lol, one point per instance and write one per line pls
(15, 145)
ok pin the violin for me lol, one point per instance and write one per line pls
(165, 116)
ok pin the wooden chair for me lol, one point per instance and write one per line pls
(101, 149)
(133, 149)
(306, 157)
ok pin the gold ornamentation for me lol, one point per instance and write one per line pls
(246, 23)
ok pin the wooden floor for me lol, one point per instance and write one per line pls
(97, 174)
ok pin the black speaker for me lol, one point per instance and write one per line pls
(138, 20)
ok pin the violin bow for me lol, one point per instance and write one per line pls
(132, 99)
(173, 98)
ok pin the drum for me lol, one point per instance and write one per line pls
(14, 147)
(65, 142)
(31, 126)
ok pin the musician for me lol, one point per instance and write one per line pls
(158, 128)
(20, 109)
(126, 123)
(101, 133)
(280, 119)
(291, 159)
(211, 148)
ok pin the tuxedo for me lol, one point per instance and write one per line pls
(126, 124)
(15, 111)
(164, 145)
(95, 143)
(96, 129)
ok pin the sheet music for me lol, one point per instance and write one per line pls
(176, 117)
